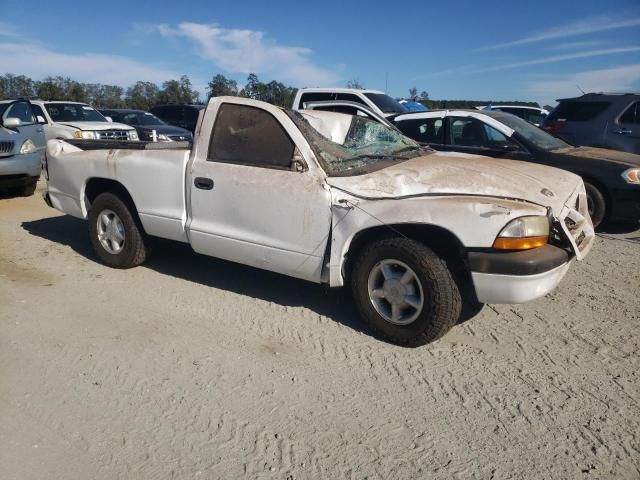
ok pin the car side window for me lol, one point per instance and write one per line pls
(631, 114)
(38, 112)
(424, 130)
(315, 97)
(249, 136)
(22, 111)
(350, 97)
(471, 132)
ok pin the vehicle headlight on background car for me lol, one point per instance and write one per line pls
(632, 175)
(85, 135)
(523, 233)
(163, 138)
(28, 147)
(133, 135)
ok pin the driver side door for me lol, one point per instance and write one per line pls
(255, 199)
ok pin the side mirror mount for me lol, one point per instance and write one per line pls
(12, 122)
(297, 162)
(109, 119)
(41, 120)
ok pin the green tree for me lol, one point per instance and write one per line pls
(16, 85)
(51, 88)
(355, 84)
(142, 95)
(178, 91)
(220, 86)
(413, 93)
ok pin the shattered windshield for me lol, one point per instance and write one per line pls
(363, 144)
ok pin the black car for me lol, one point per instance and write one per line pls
(612, 178)
(183, 116)
(146, 123)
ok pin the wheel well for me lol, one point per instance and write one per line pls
(96, 186)
(444, 243)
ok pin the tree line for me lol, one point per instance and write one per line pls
(144, 95)
(141, 95)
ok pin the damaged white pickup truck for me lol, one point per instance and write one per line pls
(333, 198)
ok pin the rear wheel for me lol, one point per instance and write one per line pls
(405, 292)
(596, 204)
(116, 234)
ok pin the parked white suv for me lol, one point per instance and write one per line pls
(379, 102)
(79, 120)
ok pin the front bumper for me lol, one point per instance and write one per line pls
(517, 277)
(23, 165)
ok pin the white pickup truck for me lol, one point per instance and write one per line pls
(333, 198)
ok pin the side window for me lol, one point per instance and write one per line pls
(38, 112)
(424, 130)
(249, 136)
(339, 109)
(315, 97)
(631, 114)
(21, 110)
(350, 97)
(471, 132)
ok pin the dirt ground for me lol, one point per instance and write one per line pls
(191, 367)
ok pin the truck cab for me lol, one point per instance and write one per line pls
(379, 102)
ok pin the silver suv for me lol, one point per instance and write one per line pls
(22, 146)
(607, 120)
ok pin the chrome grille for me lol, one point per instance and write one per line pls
(6, 147)
(112, 135)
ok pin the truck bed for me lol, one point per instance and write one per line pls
(153, 173)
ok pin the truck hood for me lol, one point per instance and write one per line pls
(88, 126)
(449, 173)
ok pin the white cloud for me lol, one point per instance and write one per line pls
(581, 27)
(38, 61)
(249, 51)
(620, 79)
(562, 58)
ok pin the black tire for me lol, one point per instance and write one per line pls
(596, 203)
(441, 304)
(135, 248)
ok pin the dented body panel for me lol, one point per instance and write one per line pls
(301, 221)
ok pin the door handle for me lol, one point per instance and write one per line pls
(203, 183)
(623, 131)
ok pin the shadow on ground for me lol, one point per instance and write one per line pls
(180, 261)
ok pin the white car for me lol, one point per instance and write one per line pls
(534, 115)
(79, 120)
(377, 101)
(333, 198)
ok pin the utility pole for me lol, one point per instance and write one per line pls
(386, 82)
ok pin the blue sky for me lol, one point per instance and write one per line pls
(454, 50)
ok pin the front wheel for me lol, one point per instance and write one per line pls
(116, 235)
(405, 292)
(595, 204)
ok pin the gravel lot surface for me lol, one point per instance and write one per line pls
(191, 367)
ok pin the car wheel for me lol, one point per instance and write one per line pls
(595, 204)
(405, 292)
(116, 234)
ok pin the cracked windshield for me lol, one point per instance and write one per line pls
(347, 145)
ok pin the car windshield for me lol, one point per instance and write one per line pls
(357, 144)
(538, 137)
(73, 112)
(385, 103)
(141, 119)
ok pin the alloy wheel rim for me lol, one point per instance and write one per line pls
(111, 232)
(395, 292)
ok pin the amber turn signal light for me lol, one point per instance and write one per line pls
(522, 243)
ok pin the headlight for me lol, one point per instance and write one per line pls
(632, 176)
(133, 135)
(28, 147)
(523, 233)
(163, 138)
(85, 135)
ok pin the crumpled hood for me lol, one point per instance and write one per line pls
(625, 158)
(97, 125)
(463, 174)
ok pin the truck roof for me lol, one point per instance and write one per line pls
(340, 90)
